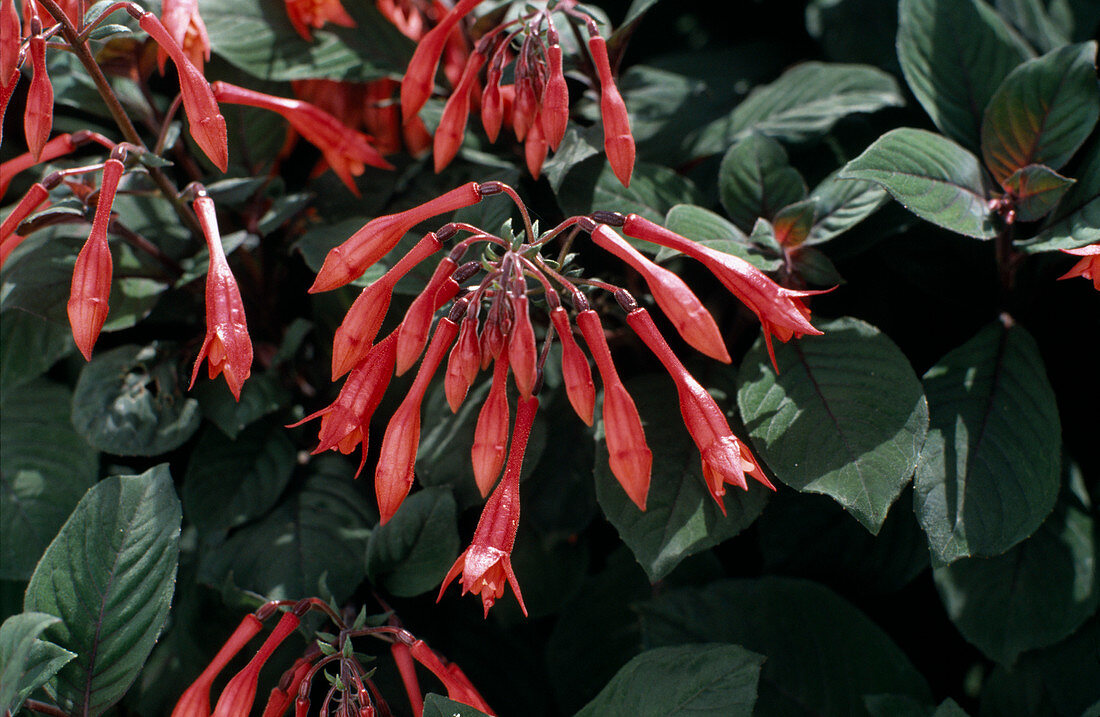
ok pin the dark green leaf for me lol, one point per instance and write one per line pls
(815, 267)
(231, 481)
(411, 553)
(261, 394)
(931, 176)
(855, 31)
(1042, 112)
(109, 575)
(822, 654)
(988, 474)
(1032, 19)
(1070, 670)
(845, 417)
(755, 180)
(319, 531)
(841, 204)
(804, 103)
(38, 274)
(954, 54)
(45, 468)
(681, 517)
(905, 706)
(128, 401)
(576, 146)
(653, 190)
(706, 227)
(439, 706)
(716, 680)
(1032, 596)
(29, 345)
(1075, 221)
(1036, 190)
(27, 663)
(258, 38)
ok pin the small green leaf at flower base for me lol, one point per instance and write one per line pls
(1036, 189)
(697, 680)
(26, 662)
(954, 54)
(109, 575)
(989, 472)
(845, 416)
(1043, 111)
(931, 176)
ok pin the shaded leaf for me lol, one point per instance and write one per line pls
(1036, 190)
(439, 706)
(931, 176)
(411, 553)
(258, 38)
(815, 267)
(681, 518)
(29, 346)
(1032, 20)
(45, 469)
(1075, 221)
(109, 575)
(1034, 595)
(261, 394)
(855, 31)
(717, 680)
(822, 654)
(755, 180)
(231, 481)
(988, 474)
(841, 204)
(954, 54)
(845, 416)
(27, 663)
(1042, 112)
(128, 401)
(319, 531)
(653, 190)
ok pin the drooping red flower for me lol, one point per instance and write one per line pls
(239, 694)
(412, 335)
(459, 687)
(10, 30)
(227, 347)
(307, 15)
(618, 142)
(195, 701)
(38, 115)
(780, 310)
(490, 444)
(419, 79)
(522, 352)
(182, 21)
(452, 124)
(554, 116)
(1088, 267)
(463, 364)
(347, 151)
(278, 702)
(486, 566)
(574, 368)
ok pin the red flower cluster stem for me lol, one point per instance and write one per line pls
(227, 347)
(491, 320)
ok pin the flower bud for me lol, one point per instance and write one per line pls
(618, 142)
(491, 431)
(574, 368)
(38, 115)
(452, 125)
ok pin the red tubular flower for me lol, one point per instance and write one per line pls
(377, 237)
(419, 79)
(381, 116)
(346, 422)
(239, 694)
(91, 287)
(227, 347)
(346, 151)
(487, 563)
(1088, 267)
(618, 142)
(780, 310)
(452, 125)
(491, 432)
(205, 118)
(629, 456)
(30, 201)
(524, 109)
(459, 687)
(492, 101)
(535, 148)
(554, 116)
(574, 368)
(356, 333)
(10, 32)
(195, 701)
(725, 459)
(418, 140)
(6, 92)
(307, 14)
(59, 146)
(284, 693)
(38, 115)
(522, 353)
(182, 21)
(394, 475)
(463, 364)
(692, 320)
(412, 334)
(402, 657)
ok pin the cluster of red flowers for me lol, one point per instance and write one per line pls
(512, 271)
(352, 694)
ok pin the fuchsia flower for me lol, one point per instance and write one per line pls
(195, 701)
(491, 432)
(227, 347)
(419, 79)
(10, 33)
(348, 152)
(239, 694)
(38, 115)
(306, 15)
(182, 21)
(1088, 267)
(486, 565)
(618, 142)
